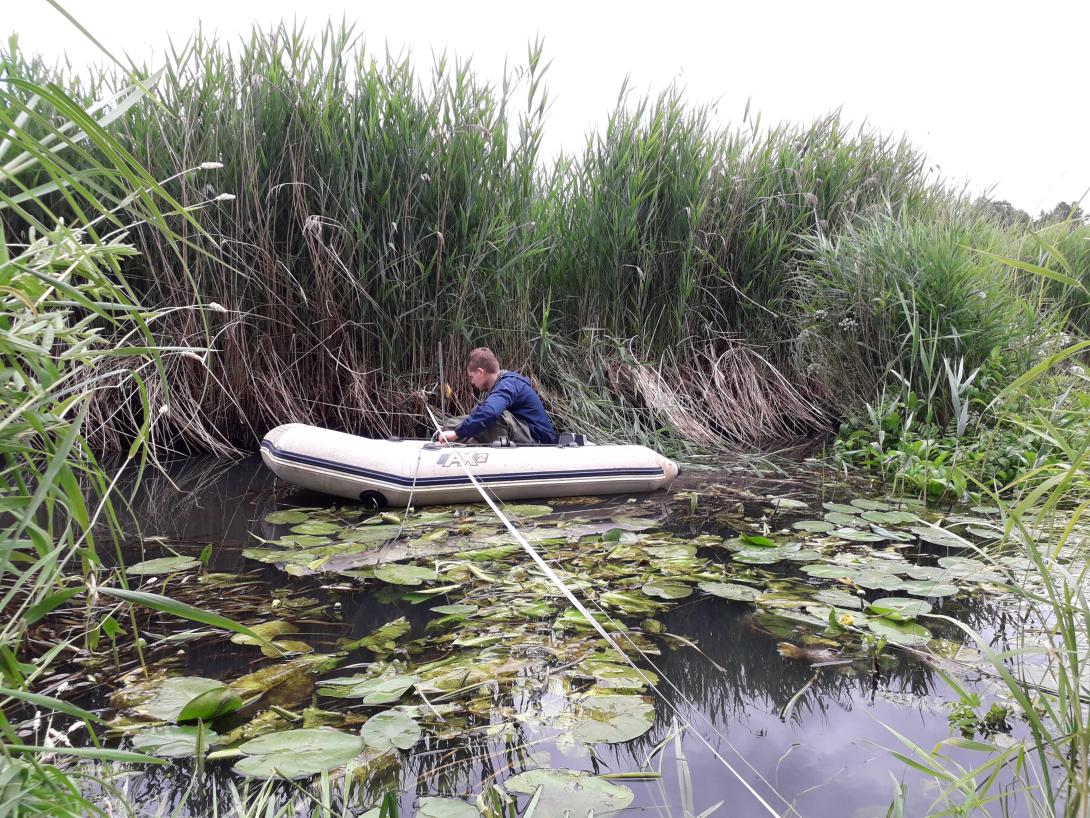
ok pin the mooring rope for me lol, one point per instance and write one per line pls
(570, 596)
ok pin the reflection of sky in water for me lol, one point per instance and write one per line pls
(828, 759)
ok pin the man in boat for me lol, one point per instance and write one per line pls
(510, 407)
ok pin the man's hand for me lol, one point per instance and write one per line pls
(449, 436)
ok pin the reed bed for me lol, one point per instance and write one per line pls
(378, 211)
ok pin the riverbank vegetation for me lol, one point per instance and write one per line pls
(672, 280)
(287, 232)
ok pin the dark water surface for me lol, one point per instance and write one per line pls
(828, 758)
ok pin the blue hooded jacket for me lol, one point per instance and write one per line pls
(513, 393)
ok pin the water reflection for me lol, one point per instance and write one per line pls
(827, 758)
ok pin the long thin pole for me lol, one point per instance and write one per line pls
(442, 384)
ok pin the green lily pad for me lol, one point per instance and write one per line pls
(616, 676)
(871, 505)
(840, 519)
(839, 599)
(382, 640)
(381, 690)
(185, 698)
(266, 630)
(314, 529)
(389, 729)
(759, 556)
(431, 807)
(902, 633)
(840, 508)
(297, 753)
(527, 510)
(813, 526)
(924, 587)
(287, 517)
(899, 608)
(458, 609)
(855, 535)
(630, 603)
(570, 792)
(939, 536)
(611, 719)
(665, 589)
(731, 591)
(173, 742)
(831, 571)
(877, 580)
(398, 574)
(163, 565)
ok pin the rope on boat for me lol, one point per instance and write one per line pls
(559, 583)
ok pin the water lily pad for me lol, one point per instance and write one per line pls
(665, 589)
(871, 505)
(901, 633)
(398, 574)
(289, 517)
(431, 807)
(759, 556)
(316, 529)
(185, 698)
(611, 719)
(630, 603)
(458, 609)
(841, 508)
(527, 510)
(840, 519)
(266, 630)
(838, 599)
(382, 640)
(381, 690)
(570, 792)
(813, 526)
(877, 580)
(899, 608)
(855, 535)
(173, 742)
(731, 591)
(613, 675)
(939, 536)
(918, 587)
(163, 565)
(297, 753)
(831, 571)
(389, 729)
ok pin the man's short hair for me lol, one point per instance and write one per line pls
(482, 358)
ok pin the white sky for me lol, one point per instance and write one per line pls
(994, 92)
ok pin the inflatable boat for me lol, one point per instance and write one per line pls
(419, 472)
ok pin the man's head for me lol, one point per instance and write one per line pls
(482, 368)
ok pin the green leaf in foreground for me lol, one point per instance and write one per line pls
(387, 730)
(297, 753)
(612, 719)
(185, 698)
(174, 742)
(446, 808)
(898, 608)
(901, 633)
(731, 591)
(570, 792)
(397, 574)
(163, 565)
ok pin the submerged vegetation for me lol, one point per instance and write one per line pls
(286, 232)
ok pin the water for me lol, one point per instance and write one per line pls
(822, 753)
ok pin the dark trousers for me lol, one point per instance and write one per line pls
(506, 425)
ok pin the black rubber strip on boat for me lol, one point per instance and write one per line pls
(397, 480)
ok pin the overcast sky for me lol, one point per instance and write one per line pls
(994, 92)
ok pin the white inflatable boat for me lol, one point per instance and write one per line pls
(399, 472)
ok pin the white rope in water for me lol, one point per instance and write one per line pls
(559, 583)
